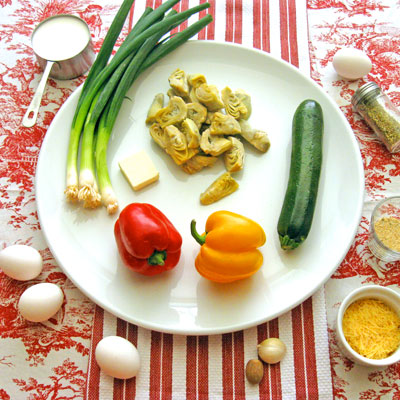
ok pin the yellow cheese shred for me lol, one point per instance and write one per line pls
(372, 328)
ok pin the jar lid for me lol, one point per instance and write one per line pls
(363, 91)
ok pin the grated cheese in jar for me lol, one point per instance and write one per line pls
(372, 328)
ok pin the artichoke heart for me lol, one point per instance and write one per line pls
(195, 80)
(176, 145)
(158, 135)
(208, 95)
(156, 105)
(220, 188)
(173, 113)
(210, 116)
(197, 163)
(191, 131)
(178, 83)
(224, 124)
(257, 138)
(214, 145)
(233, 105)
(234, 157)
(197, 113)
(246, 100)
(171, 93)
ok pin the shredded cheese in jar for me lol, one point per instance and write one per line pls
(372, 328)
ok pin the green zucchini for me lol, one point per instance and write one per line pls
(298, 206)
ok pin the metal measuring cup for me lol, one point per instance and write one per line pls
(56, 60)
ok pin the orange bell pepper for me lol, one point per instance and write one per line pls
(228, 247)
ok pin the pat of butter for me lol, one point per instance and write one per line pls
(139, 170)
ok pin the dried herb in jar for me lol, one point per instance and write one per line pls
(379, 113)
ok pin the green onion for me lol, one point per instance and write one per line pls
(108, 196)
(102, 96)
(177, 40)
(108, 44)
(109, 117)
(99, 63)
(127, 48)
(133, 46)
(88, 191)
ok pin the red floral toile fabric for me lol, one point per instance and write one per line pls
(371, 26)
(54, 360)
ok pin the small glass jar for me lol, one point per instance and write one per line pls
(379, 113)
(384, 231)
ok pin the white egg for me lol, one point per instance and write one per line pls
(117, 357)
(21, 262)
(351, 63)
(40, 302)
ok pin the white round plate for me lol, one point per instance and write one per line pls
(181, 301)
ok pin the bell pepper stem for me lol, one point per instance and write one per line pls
(157, 258)
(200, 239)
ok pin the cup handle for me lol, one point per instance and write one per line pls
(31, 113)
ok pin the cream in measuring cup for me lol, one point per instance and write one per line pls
(64, 50)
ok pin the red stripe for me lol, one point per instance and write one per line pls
(167, 352)
(239, 365)
(294, 54)
(238, 21)
(155, 366)
(150, 3)
(202, 386)
(257, 28)
(93, 376)
(202, 34)
(298, 353)
(264, 388)
(275, 370)
(119, 384)
(229, 21)
(191, 367)
(209, 31)
(157, 3)
(211, 26)
(311, 361)
(227, 365)
(266, 31)
(177, 7)
(284, 29)
(130, 385)
(184, 6)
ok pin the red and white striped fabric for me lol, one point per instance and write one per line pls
(188, 367)
(213, 367)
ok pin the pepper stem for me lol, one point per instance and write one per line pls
(157, 258)
(200, 239)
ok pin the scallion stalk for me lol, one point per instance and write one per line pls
(108, 117)
(101, 60)
(88, 190)
(174, 42)
(111, 111)
(103, 95)
(107, 193)
(132, 46)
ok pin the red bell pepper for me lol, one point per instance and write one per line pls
(147, 241)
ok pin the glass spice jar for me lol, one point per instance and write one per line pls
(384, 233)
(379, 113)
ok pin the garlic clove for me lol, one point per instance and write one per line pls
(254, 371)
(271, 350)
